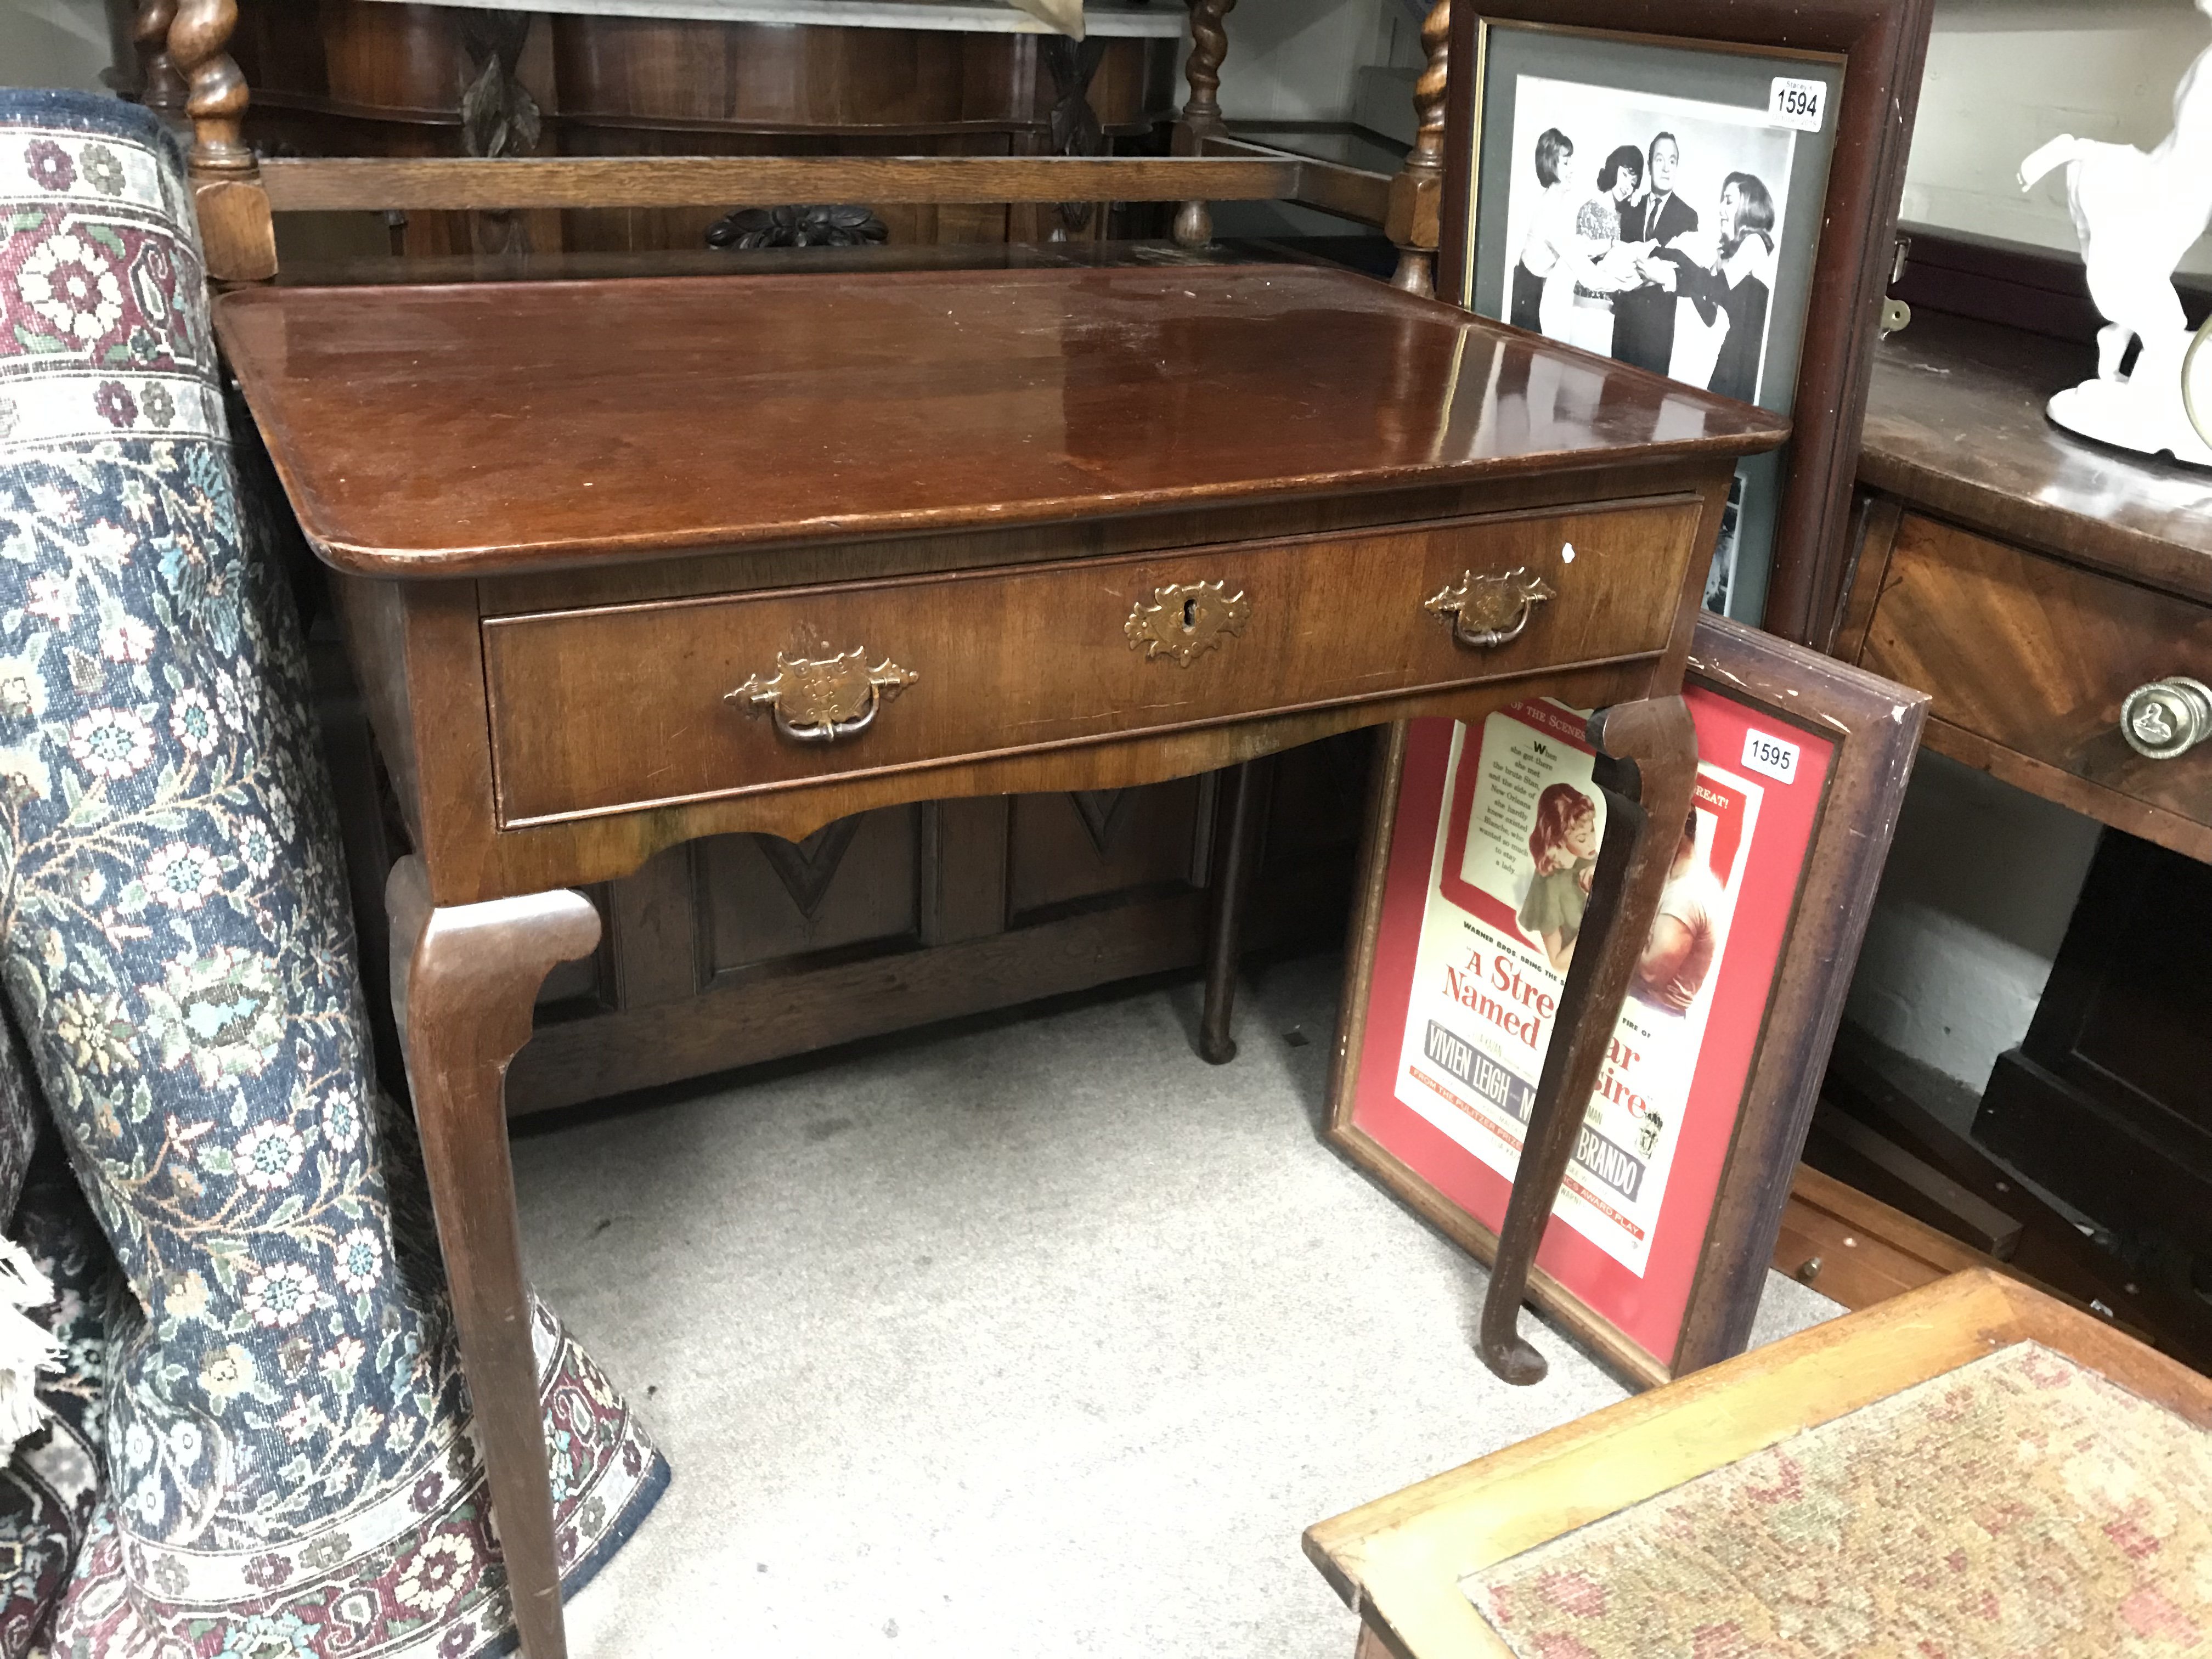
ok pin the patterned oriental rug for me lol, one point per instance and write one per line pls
(262, 1447)
(2021, 1505)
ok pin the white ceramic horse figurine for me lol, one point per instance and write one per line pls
(2136, 216)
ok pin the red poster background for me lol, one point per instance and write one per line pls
(1647, 1311)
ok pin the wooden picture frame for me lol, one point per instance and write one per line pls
(1399, 1562)
(1883, 45)
(1875, 728)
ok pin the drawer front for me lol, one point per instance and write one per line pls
(606, 710)
(2037, 656)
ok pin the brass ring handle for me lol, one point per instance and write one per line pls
(2168, 718)
(1485, 611)
(821, 700)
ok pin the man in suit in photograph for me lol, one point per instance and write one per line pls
(1643, 318)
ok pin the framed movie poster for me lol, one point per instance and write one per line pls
(1486, 840)
(1706, 189)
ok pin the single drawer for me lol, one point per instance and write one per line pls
(605, 710)
(2038, 657)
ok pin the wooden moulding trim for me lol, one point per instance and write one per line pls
(966, 568)
(411, 115)
(475, 862)
(457, 185)
(2142, 556)
(1876, 728)
(2169, 829)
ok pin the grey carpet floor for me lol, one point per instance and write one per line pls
(1033, 1340)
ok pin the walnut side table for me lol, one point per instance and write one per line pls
(625, 563)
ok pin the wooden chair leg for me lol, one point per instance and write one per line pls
(464, 979)
(1640, 840)
(1232, 887)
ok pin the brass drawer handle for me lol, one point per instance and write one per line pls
(1490, 610)
(1185, 621)
(822, 701)
(2168, 718)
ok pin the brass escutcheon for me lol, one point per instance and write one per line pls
(823, 699)
(1489, 611)
(1185, 621)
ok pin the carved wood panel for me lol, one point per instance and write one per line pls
(1073, 850)
(851, 886)
(741, 948)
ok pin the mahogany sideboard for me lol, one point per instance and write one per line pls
(623, 564)
(2045, 590)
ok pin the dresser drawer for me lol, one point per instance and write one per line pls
(2036, 656)
(610, 709)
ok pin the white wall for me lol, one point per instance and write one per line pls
(1299, 60)
(1981, 881)
(2004, 76)
(53, 43)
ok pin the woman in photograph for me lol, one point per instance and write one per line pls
(1551, 229)
(1564, 846)
(1577, 304)
(1736, 287)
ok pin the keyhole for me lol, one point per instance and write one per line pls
(1189, 614)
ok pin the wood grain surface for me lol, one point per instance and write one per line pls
(330, 185)
(446, 431)
(2034, 656)
(612, 709)
(1955, 424)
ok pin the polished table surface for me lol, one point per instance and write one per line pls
(436, 431)
(1955, 421)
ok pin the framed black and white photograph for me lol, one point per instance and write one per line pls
(1704, 189)
(1658, 202)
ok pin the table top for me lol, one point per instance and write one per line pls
(1955, 423)
(446, 431)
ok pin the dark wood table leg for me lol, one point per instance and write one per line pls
(1225, 930)
(464, 979)
(1640, 840)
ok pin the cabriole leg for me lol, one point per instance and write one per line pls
(1641, 836)
(464, 980)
